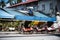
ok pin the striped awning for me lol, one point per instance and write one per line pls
(37, 16)
(4, 14)
(44, 17)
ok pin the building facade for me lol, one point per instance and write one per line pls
(58, 5)
(47, 7)
(25, 3)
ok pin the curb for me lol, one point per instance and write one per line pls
(9, 32)
(24, 35)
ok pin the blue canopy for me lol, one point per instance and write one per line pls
(37, 16)
(4, 14)
(44, 17)
(19, 15)
(12, 12)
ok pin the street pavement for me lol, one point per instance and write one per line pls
(16, 36)
(29, 37)
(14, 32)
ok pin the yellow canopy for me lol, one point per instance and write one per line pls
(37, 22)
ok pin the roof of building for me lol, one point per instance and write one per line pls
(21, 3)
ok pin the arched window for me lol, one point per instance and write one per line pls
(51, 6)
(43, 7)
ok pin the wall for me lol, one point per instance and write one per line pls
(58, 6)
(47, 7)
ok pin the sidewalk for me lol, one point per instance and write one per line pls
(27, 35)
(14, 32)
(24, 35)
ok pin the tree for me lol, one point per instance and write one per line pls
(10, 1)
(2, 4)
(19, 1)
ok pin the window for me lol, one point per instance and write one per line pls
(51, 6)
(43, 7)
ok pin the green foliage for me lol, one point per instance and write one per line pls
(19, 1)
(2, 4)
(10, 1)
(10, 24)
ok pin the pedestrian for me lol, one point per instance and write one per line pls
(30, 12)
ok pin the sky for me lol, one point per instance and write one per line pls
(4, 0)
(7, 0)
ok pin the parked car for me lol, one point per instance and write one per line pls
(30, 30)
(11, 29)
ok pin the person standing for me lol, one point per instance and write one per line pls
(30, 12)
